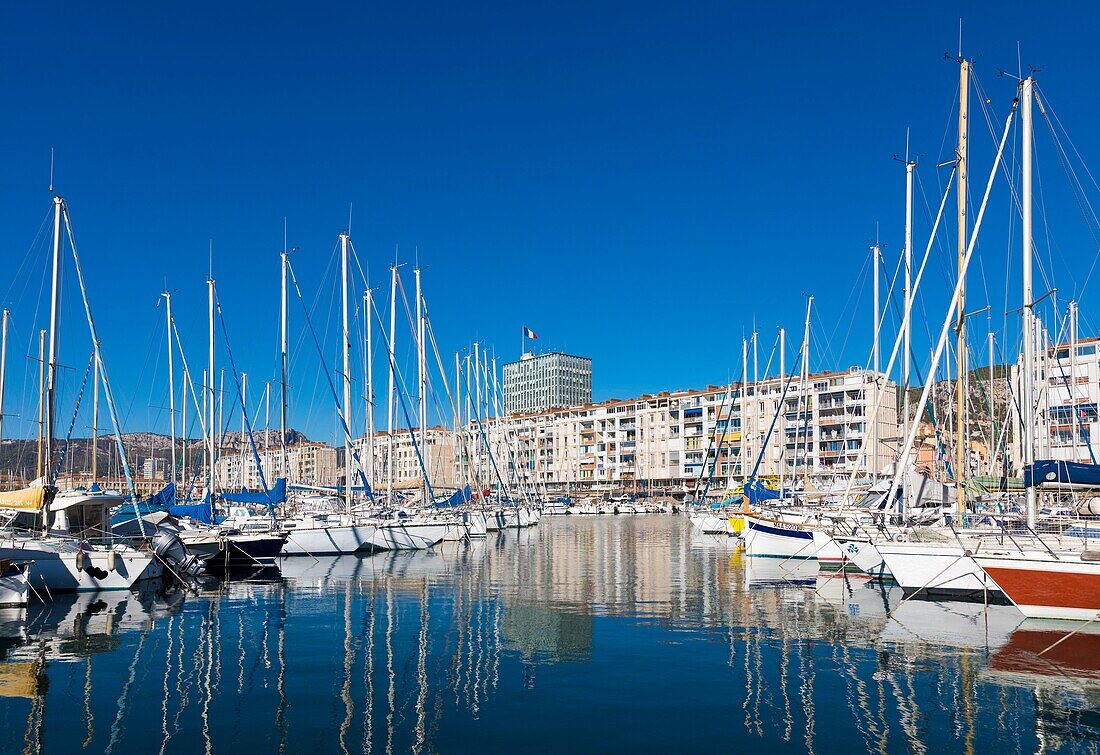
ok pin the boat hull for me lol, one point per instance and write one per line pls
(328, 541)
(777, 539)
(937, 571)
(81, 570)
(398, 536)
(1047, 588)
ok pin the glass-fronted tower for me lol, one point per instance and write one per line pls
(546, 381)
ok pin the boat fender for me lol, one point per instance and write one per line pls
(112, 561)
(1090, 555)
(81, 560)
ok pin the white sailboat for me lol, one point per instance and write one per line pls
(59, 533)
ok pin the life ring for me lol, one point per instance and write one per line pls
(901, 537)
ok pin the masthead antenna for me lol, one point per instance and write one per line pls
(51, 170)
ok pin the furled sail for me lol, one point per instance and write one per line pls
(27, 499)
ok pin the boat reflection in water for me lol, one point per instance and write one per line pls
(621, 633)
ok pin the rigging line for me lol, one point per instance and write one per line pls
(332, 388)
(862, 282)
(72, 423)
(402, 390)
(1079, 195)
(28, 258)
(1044, 274)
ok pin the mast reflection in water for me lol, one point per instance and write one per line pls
(589, 633)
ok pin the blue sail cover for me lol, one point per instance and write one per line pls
(276, 495)
(161, 501)
(1053, 471)
(200, 512)
(459, 497)
(756, 492)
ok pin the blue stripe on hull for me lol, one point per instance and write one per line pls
(793, 534)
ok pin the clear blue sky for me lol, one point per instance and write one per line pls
(637, 182)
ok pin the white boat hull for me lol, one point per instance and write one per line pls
(328, 541)
(936, 570)
(779, 539)
(399, 536)
(62, 569)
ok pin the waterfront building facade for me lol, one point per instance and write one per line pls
(673, 440)
(437, 451)
(546, 381)
(1068, 394)
(306, 464)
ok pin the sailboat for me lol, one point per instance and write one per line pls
(60, 532)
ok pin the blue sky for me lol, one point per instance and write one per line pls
(637, 182)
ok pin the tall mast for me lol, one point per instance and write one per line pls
(1074, 428)
(185, 436)
(283, 362)
(477, 410)
(95, 418)
(3, 364)
(780, 412)
(459, 444)
(389, 399)
(211, 403)
(40, 468)
(421, 377)
(806, 382)
(346, 347)
(1027, 387)
(960, 330)
(745, 456)
(908, 307)
(171, 383)
(51, 370)
(244, 419)
(368, 356)
(876, 256)
(992, 417)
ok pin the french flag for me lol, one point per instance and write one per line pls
(528, 333)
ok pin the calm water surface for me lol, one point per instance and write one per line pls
(608, 634)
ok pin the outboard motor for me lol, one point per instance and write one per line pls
(171, 550)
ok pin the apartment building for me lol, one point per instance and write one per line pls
(306, 464)
(672, 440)
(437, 452)
(1068, 394)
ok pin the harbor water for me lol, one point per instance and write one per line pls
(584, 634)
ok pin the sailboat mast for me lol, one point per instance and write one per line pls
(211, 403)
(782, 414)
(95, 418)
(3, 364)
(346, 348)
(960, 330)
(283, 363)
(40, 468)
(368, 303)
(1028, 376)
(51, 369)
(876, 257)
(389, 399)
(806, 383)
(171, 383)
(745, 435)
(907, 324)
(244, 418)
(421, 379)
